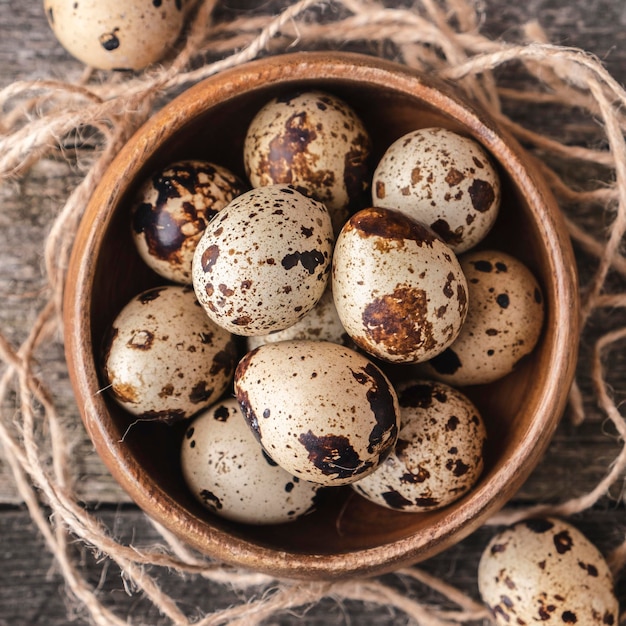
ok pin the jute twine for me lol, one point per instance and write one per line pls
(439, 37)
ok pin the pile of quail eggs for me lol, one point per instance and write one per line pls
(330, 268)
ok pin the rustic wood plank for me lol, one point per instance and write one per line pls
(32, 590)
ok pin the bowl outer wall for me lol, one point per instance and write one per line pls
(489, 496)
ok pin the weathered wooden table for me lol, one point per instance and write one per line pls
(32, 588)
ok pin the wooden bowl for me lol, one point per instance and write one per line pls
(347, 536)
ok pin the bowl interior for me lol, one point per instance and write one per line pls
(347, 534)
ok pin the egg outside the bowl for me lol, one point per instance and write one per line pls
(117, 34)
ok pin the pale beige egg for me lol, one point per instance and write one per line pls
(117, 34)
(504, 321)
(439, 453)
(544, 570)
(323, 412)
(316, 142)
(229, 473)
(321, 323)
(399, 290)
(442, 179)
(164, 358)
(264, 261)
(172, 209)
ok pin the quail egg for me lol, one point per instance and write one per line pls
(171, 212)
(228, 472)
(439, 453)
(442, 179)
(323, 412)
(320, 324)
(314, 141)
(503, 325)
(399, 290)
(263, 263)
(164, 359)
(117, 34)
(544, 570)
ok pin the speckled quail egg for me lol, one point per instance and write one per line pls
(164, 359)
(172, 209)
(228, 472)
(503, 324)
(545, 570)
(321, 323)
(442, 179)
(117, 34)
(399, 290)
(315, 142)
(323, 412)
(264, 260)
(439, 453)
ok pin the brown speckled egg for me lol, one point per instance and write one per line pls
(264, 260)
(442, 179)
(228, 472)
(439, 453)
(164, 359)
(545, 571)
(321, 323)
(399, 290)
(315, 142)
(323, 412)
(172, 210)
(503, 324)
(117, 34)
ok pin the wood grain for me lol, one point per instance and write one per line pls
(31, 589)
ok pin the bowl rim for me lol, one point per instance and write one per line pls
(490, 495)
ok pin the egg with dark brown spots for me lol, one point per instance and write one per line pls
(439, 453)
(503, 325)
(164, 359)
(314, 141)
(264, 261)
(399, 290)
(544, 570)
(442, 179)
(117, 34)
(228, 472)
(172, 210)
(323, 412)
